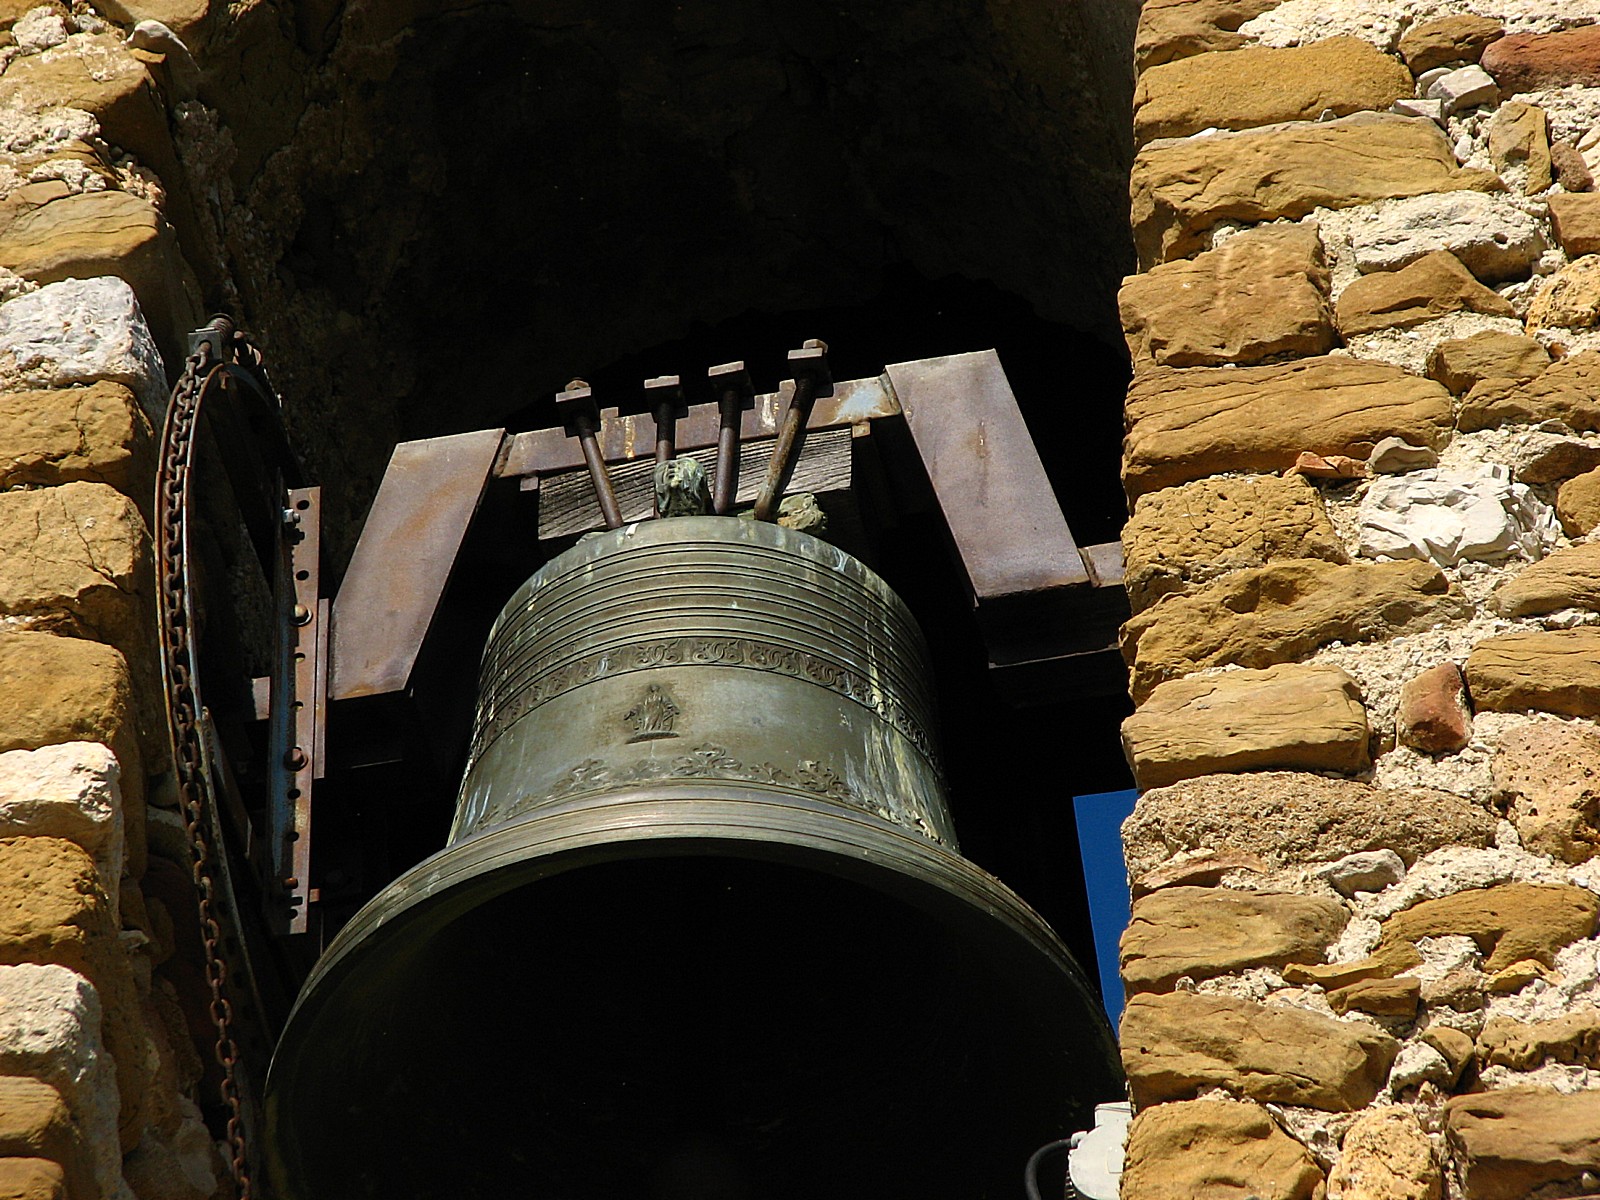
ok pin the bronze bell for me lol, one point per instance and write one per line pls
(701, 929)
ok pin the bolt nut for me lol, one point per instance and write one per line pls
(302, 615)
(295, 759)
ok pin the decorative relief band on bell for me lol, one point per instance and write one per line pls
(524, 691)
(707, 761)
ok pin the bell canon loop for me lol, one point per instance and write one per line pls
(702, 928)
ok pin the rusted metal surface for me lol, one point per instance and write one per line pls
(295, 714)
(992, 489)
(810, 366)
(1104, 563)
(626, 437)
(580, 418)
(735, 394)
(403, 559)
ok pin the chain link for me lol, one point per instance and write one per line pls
(201, 370)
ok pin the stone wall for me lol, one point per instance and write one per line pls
(1363, 452)
(104, 1027)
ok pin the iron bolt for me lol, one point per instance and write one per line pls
(302, 615)
(295, 759)
(290, 517)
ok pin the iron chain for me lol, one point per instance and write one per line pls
(201, 371)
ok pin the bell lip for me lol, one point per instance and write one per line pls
(661, 821)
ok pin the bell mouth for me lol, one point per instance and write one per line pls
(705, 992)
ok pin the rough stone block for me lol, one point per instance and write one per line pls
(1255, 86)
(1177, 1045)
(1547, 780)
(1577, 222)
(1280, 613)
(71, 790)
(1386, 1155)
(1555, 671)
(1570, 168)
(95, 434)
(1215, 1148)
(32, 1179)
(1203, 932)
(1460, 363)
(50, 1029)
(81, 331)
(1363, 871)
(89, 234)
(1461, 38)
(1434, 286)
(1569, 578)
(1573, 1038)
(1288, 716)
(1519, 144)
(1264, 292)
(1450, 516)
(1187, 424)
(1568, 391)
(1578, 504)
(1510, 923)
(75, 559)
(1465, 87)
(52, 910)
(1495, 239)
(1173, 29)
(1569, 299)
(1509, 1143)
(1198, 531)
(36, 1123)
(1380, 997)
(1525, 62)
(1181, 189)
(1292, 819)
(56, 689)
(1433, 714)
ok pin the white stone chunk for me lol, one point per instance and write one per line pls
(1430, 77)
(1366, 871)
(39, 29)
(70, 791)
(50, 1029)
(1462, 88)
(1396, 456)
(1450, 516)
(1495, 239)
(1432, 109)
(1417, 1063)
(80, 331)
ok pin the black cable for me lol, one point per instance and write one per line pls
(1030, 1173)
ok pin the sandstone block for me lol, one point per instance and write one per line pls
(1288, 716)
(35, 1123)
(1525, 62)
(1433, 713)
(56, 689)
(1291, 819)
(1455, 1047)
(1181, 189)
(94, 434)
(1364, 871)
(1578, 503)
(1569, 578)
(1540, 456)
(1187, 424)
(1554, 671)
(1459, 363)
(32, 1179)
(1547, 780)
(1510, 1142)
(1173, 29)
(1519, 144)
(1213, 1148)
(1577, 222)
(1386, 1155)
(1263, 292)
(1197, 531)
(1202, 932)
(1462, 38)
(1495, 239)
(75, 559)
(1380, 997)
(1434, 286)
(1255, 86)
(98, 74)
(52, 910)
(1279, 613)
(1568, 391)
(1569, 299)
(80, 331)
(50, 1029)
(1571, 169)
(183, 17)
(71, 790)
(1572, 1038)
(107, 233)
(1202, 868)
(1179, 1044)
(1510, 923)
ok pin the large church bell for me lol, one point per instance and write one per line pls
(701, 928)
